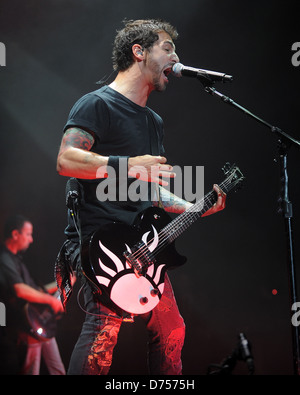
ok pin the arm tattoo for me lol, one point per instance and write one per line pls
(171, 202)
(77, 138)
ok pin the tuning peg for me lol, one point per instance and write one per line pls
(226, 168)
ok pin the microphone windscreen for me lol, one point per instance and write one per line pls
(176, 69)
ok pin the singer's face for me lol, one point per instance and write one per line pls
(159, 61)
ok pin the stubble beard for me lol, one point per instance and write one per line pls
(157, 73)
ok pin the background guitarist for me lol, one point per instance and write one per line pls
(17, 288)
(110, 128)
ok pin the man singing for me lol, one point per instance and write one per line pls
(106, 128)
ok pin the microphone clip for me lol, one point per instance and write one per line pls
(205, 80)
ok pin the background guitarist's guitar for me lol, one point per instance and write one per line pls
(128, 264)
(41, 321)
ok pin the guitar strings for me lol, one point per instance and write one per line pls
(191, 212)
(192, 215)
(181, 224)
(184, 220)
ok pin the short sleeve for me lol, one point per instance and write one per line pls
(8, 272)
(90, 113)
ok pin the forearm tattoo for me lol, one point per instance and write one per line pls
(171, 202)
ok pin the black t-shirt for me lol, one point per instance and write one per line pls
(13, 271)
(121, 128)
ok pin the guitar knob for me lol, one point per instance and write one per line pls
(143, 300)
(154, 292)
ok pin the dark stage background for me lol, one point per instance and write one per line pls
(57, 50)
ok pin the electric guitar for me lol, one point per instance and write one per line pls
(41, 321)
(127, 264)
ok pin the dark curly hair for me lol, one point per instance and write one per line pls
(141, 31)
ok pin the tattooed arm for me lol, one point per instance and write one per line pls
(76, 160)
(171, 202)
(174, 204)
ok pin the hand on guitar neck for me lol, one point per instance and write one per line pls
(220, 203)
(128, 263)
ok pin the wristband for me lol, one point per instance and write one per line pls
(119, 164)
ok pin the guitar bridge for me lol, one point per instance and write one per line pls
(140, 258)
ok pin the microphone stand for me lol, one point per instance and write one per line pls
(285, 141)
(242, 352)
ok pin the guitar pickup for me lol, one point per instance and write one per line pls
(140, 258)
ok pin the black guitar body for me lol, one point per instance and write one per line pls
(122, 287)
(127, 264)
(41, 321)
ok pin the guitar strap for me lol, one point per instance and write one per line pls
(154, 147)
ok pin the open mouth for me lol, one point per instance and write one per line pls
(167, 72)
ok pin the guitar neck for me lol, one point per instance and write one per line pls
(181, 223)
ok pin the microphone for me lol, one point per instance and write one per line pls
(72, 192)
(242, 352)
(245, 351)
(180, 70)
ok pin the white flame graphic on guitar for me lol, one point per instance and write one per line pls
(133, 280)
(136, 295)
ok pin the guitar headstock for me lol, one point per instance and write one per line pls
(234, 176)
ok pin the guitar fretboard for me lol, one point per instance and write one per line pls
(181, 223)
